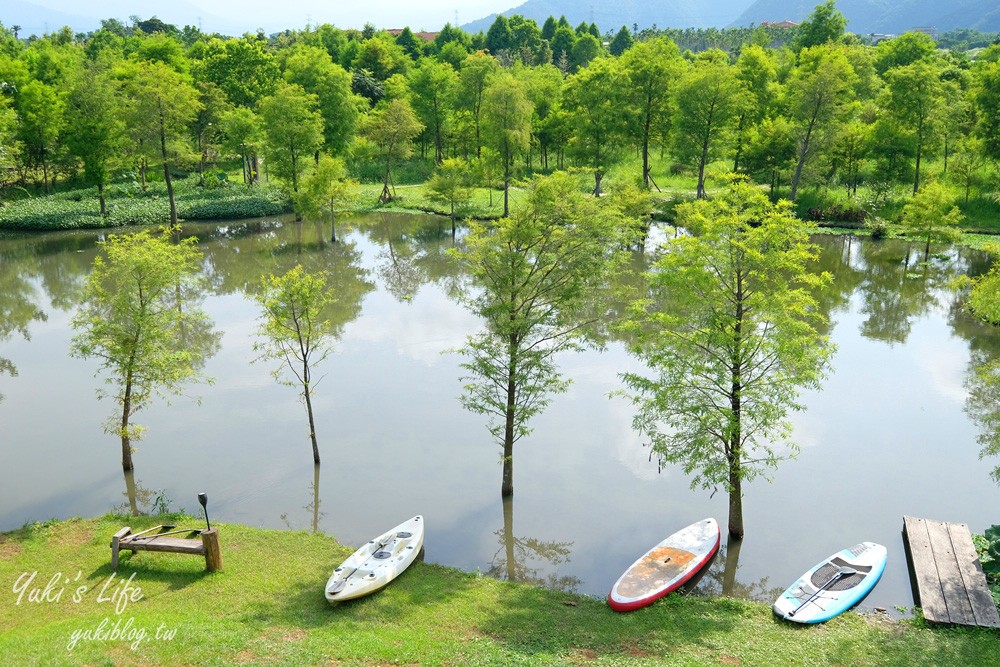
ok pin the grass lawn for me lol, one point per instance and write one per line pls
(267, 607)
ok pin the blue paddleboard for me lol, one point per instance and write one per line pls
(834, 585)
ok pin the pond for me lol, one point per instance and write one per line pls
(888, 435)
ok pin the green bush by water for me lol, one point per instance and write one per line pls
(129, 204)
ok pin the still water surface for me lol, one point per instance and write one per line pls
(888, 435)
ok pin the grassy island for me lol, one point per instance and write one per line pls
(266, 607)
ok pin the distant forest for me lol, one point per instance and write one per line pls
(790, 108)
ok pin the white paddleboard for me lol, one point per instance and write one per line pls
(666, 567)
(377, 563)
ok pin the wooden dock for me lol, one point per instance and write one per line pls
(947, 578)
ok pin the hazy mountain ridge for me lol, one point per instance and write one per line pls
(612, 16)
(885, 16)
(863, 16)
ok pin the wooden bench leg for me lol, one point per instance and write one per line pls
(116, 545)
(213, 553)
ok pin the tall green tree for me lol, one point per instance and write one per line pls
(392, 129)
(474, 77)
(294, 332)
(825, 24)
(243, 67)
(535, 271)
(506, 125)
(499, 37)
(95, 131)
(621, 43)
(585, 49)
(736, 343)
(984, 299)
(324, 190)
(932, 216)
(433, 85)
(914, 99)
(652, 69)
(243, 135)
(164, 105)
(141, 319)
(592, 100)
(41, 111)
(450, 185)
(309, 68)
(757, 71)
(903, 50)
(294, 129)
(818, 93)
(986, 97)
(708, 98)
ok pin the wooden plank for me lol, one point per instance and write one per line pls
(168, 544)
(983, 607)
(929, 596)
(956, 596)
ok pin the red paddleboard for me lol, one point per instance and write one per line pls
(666, 567)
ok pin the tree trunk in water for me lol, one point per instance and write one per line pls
(734, 453)
(508, 538)
(316, 499)
(733, 546)
(916, 177)
(453, 220)
(507, 486)
(735, 501)
(130, 493)
(126, 409)
(598, 176)
(307, 393)
(333, 224)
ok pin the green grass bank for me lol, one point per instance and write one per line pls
(266, 607)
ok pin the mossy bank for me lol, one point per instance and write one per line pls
(267, 607)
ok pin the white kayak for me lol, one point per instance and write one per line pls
(378, 562)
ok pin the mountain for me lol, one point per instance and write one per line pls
(36, 20)
(885, 16)
(610, 16)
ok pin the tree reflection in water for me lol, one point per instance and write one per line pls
(723, 581)
(524, 559)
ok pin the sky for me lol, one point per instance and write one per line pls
(429, 14)
(273, 15)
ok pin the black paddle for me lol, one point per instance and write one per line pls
(378, 547)
(843, 571)
(203, 499)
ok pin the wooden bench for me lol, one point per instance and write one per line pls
(946, 575)
(207, 546)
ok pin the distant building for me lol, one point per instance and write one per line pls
(875, 37)
(783, 25)
(927, 30)
(426, 36)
